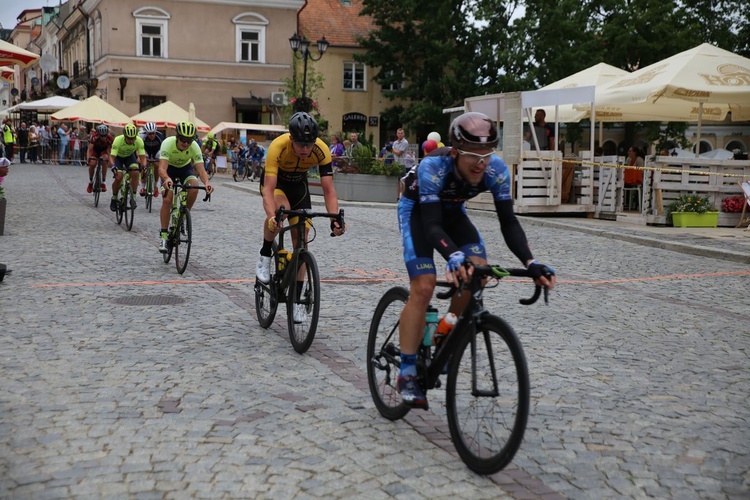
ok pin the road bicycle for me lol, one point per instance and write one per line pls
(210, 165)
(97, 182)
(150, 184)
(126, 199)
(294, 280)
(487, 390)
(241, 172)
(180, 233)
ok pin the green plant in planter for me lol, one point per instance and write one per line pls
(363, 159)
(691, 203)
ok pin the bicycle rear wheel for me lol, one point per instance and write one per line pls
(212, 170)
(383, 354)
(487, 396)
(184, 236)
(304, 295)
(120, 212)
(266, 296)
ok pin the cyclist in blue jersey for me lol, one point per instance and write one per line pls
(152, 140)
(432, 216)
(255, 154)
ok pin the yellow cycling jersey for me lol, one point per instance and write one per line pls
(283, 162)
(123, 149)
(177, 158)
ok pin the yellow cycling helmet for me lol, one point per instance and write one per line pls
(186, 129)
(130, 131)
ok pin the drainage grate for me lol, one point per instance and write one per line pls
(149, 300)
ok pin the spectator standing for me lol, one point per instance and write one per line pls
(9, 138)
(33, 143)
(337, 151)
(354, 143)
(64, 135)
(545, 132)
(75, 146)
(22, 136)
(400, 146)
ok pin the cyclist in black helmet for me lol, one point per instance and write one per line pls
(432, 216)
(289, 158)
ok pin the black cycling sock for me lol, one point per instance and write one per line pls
(265, 250)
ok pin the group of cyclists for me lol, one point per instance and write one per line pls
(179, 157)
(431, 212)
(250, 156)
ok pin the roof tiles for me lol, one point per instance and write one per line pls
(340, 24)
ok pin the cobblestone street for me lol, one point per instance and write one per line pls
(639, 364)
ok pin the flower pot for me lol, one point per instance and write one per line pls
(694, 219)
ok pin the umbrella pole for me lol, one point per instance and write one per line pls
(700, 119)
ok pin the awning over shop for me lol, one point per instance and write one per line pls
(251, 102)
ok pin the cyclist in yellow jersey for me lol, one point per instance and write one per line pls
(127, 152)
(289, 158)
(177, 156)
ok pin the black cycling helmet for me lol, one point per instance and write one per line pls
(474, 129)
(303, 127)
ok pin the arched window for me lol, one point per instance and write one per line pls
(250, 37)
(731, 146)
(151, 32)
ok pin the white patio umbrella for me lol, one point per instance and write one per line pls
(93, 110)
(49, 104)
(168, 114)
(6, 73)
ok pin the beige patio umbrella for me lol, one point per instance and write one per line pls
(703, 83)
(167, 114)
(6, 73)
(93, 110)
(10, 55)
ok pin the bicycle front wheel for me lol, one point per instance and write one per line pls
(487, 396)
(149, 191)
(303, 302)
(97, 185)
(120, 211)
(129, 211)
(384, 354)
(211, 170)
(183, 235)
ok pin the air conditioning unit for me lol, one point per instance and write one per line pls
(279, 98)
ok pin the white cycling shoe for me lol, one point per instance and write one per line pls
(300, 313)
(263, 269)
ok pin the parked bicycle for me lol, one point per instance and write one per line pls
(126, 199)
(487, 392)
(180, 233)
(96, 181)
(294, 280)
(150, 183)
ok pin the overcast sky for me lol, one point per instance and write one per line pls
(10, 9)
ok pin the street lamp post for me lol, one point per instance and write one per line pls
(301, 48)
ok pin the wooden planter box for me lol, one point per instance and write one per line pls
(692, 219)
(361, 187)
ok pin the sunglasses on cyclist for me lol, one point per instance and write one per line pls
(485, 158)
(304, 145)
(184, 140)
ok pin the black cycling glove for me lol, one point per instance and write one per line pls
(537, 270)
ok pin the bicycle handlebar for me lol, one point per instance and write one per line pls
(494, 272)
(305, 214)
(177, 184)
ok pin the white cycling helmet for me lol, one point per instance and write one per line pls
(149, 128)
(102, 129)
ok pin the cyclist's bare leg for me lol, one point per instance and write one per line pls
(92, 163)
(134, 169)
(280, 199)
(192, 193)
(166, 207)
(411, 326)
(116, 182)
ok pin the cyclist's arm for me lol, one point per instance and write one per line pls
(432, 222)
(513, 233)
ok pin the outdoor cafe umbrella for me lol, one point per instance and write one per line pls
(167, 114)
(48, 104)
(6, 73)
(703, 83)
(93, 110)
(10, 55)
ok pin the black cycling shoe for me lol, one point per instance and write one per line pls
(411, 393)
(113, 204)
